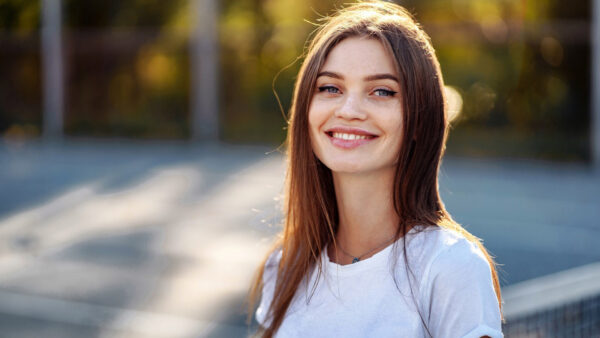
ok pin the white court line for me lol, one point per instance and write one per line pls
(107, 318)
(551, 291)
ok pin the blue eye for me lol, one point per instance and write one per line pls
(329, 89)
(384, 92)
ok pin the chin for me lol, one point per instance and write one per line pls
(347, 167)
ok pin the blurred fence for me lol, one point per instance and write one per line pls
(133, 69)
(565, 304)
(140, 87)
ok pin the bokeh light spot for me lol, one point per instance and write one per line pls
(552, 51)
(454, 102)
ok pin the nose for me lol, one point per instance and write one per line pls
(351, 109)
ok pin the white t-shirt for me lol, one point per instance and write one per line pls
(452, 287)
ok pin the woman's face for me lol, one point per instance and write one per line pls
(355, 116)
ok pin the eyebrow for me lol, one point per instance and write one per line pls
(373, 77)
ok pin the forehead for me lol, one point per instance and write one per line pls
(359, 56)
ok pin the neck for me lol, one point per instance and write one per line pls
(367, 219)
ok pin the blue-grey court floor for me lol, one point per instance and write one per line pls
(121, 238)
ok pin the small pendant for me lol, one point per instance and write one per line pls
(355, 259)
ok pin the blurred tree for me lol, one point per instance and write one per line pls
(128, 68)
(522, 68)
(260, 39)
(519, 65)
(20, 83)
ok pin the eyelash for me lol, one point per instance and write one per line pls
(386, 92)
(328, 89)
(334, 90)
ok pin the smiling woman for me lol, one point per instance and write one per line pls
(368, 249)
(355, 115)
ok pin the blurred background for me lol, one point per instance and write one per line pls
(141, 165)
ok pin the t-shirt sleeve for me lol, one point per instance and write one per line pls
(459, 295)
(269, 280)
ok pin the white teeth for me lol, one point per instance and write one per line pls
(345, 136)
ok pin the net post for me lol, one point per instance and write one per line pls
(204, 65)
(595, 90)
(52, 68)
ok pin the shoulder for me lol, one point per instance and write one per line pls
(456, 286)
(435, 249)
(270, 270)
(269, 280)
(272, 262)
(438, 253)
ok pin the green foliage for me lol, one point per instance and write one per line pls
(128, 68)
(521, 68)
(261, 42)
(19, 16)
(114, 14)
(20, 82)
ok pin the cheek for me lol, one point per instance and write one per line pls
(395, 142)
(394, 125)
(312, 125)
(316, 118)
(397, 128)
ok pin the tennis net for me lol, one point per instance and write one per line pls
(565, 304)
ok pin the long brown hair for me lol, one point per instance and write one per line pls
(311, 214)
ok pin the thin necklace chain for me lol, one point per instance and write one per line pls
(358, 258)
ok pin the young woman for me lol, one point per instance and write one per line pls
(368, 249)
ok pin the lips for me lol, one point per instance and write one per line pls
(349, 130)
(349, 138)
(345, 136)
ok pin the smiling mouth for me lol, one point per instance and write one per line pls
(349, 140)
(348, 136)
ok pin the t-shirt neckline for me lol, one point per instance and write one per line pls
(379, 259)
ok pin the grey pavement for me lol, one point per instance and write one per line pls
(128, 238)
